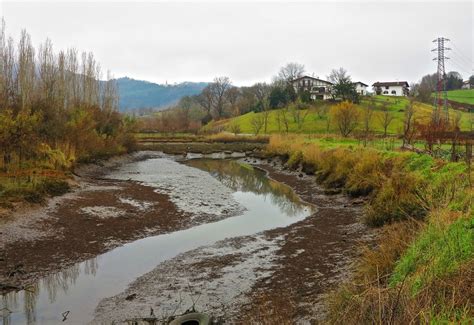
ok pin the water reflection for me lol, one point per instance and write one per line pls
(51, 285)
(79, 288)
(243, 177)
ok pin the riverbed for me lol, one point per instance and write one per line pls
(234, 228)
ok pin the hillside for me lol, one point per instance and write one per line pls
(465, 96)
(313, 123)
(143, 94)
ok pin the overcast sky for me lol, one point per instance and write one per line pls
(249, 41)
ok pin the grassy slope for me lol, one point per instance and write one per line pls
(316, 125)
(462, 96)
(424, 267)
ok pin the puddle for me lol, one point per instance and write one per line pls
(265, 204)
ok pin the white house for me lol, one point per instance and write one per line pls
(467, 85)
(361, 88)
(318, 88)
(391, 88)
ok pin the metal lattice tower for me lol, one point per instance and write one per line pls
(441, 98)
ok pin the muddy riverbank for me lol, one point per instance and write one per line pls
(276, 275)
(226, 253)
(103, 211)
(316, 253)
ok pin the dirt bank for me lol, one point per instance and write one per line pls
(316, 253)
(100, 214)
(277, 275)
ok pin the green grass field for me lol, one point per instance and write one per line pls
(314, 124)
(462, 96)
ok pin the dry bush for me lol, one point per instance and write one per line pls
(281, 145)
(367, 173)
(346, 117)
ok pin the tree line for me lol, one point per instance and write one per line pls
(221, 99)
(428, 84)
(54, 108)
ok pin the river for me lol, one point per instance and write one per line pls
(260, 203)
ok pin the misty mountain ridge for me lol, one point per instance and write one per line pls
(135, 94)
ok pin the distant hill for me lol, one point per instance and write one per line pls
(143, 94)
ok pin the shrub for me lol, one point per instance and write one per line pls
(367, 173)
(296, 157)
(346, 117)
(54, 187)
(396, 199)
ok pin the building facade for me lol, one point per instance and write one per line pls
(318, 88)
(361, 88)
(391, 88)
(467, 85)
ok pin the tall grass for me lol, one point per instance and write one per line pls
(394, 186)
(421, 269)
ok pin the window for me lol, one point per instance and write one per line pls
(386, 87)
(321, 90)
(385, 92)
(394, 92)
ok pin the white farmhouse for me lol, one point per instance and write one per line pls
(361, 88)
(391, 88)
(467, 85)
(318, 88)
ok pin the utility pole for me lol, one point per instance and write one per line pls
(441, 98)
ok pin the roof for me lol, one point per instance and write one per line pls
(360, 82)
(390, 83)
(317, 79)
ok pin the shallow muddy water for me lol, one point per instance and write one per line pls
(243, 196)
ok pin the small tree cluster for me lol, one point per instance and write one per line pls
(52, 102)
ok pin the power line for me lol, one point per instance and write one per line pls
(461, 61)
(461, 53)
(460, 66)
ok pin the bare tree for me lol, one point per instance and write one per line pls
(257, 122)
(291, 71)
(261, 92)
(47, 70)
(185, 105)
(408, 123)
(234, 127)
(7, 68)
(205, 99)
(26, 70)
(219, 89)
(367, 119)
(110, 94)
(338, 75)
(321, 110)
(385, 118)
(283, 120)
(72, 81)
(346, 117)
(233, 95)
